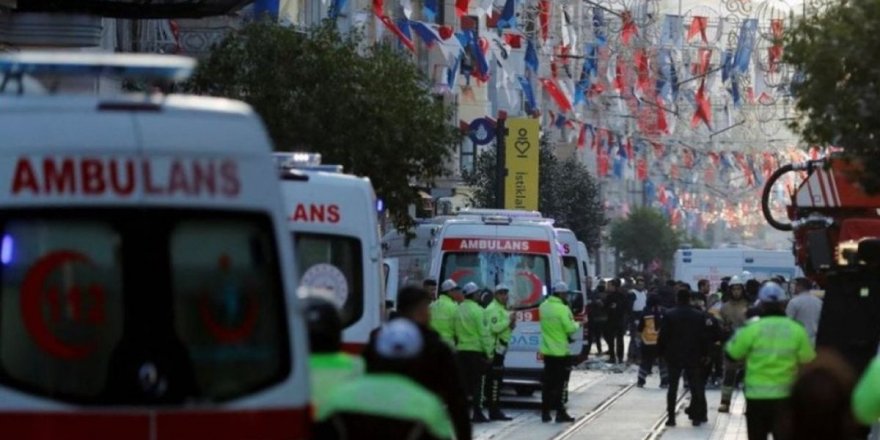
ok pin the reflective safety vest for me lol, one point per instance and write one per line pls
(773, 348)
(471, 329)
(390, 396)
(498, 319)
(557, 325)
(329, 370)
(866, 397)
(443, 312)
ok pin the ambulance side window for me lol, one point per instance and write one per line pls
(228, 302)
(61, 306)
(333, 263)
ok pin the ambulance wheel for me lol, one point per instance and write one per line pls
(524, 391)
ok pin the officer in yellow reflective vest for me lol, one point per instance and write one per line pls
(501, 323)
(329, 367)
(474, 347)
(443, 312)
(557, 328)
(773, 347)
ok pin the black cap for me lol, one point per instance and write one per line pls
(324, 325)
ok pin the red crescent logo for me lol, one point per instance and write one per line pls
(537, 286)
(458, 275)
(225, 334)
(32, 303)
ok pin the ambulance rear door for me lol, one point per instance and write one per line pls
(335, 232)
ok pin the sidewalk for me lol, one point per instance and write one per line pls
(730, 426)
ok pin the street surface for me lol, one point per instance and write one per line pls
(607, 405)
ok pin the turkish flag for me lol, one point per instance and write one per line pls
(698, 26)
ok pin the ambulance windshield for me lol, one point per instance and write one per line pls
(133, 306)
(527, 274)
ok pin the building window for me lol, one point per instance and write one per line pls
(467, 155)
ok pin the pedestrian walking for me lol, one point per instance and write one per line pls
(597, 318)
(638, 298)
(683, 342)
(805, 308)
(557, 330)
(474, 347)
(443, 311)
(329, 366)
(437, 369)
(501, 324)
(362, 409)
(733, 316)
(616, 307)
(773, 348)
(649, 330)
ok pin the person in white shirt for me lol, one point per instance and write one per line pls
(639, 297)
(805, 307)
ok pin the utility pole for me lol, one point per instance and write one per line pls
(500, 160)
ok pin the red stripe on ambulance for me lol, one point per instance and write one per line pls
(120, 177)
(496, 244)
(215, 425)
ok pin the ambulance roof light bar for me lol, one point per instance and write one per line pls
(13, 66)
(512, 213)
(303, 161)
(497, 219)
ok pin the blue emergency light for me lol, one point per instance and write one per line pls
(129, 65)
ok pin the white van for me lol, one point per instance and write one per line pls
(143, 290)
(516, 248)
(412, 249)
(335, 232)
(692, 265)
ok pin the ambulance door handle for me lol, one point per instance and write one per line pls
(375, 255)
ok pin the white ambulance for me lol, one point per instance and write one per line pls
(574, 270)
(412, 249)
(334, 228)
(143, 247)
(517, 248)
(692, 265)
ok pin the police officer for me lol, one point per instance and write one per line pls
(474, 345)
(501, 323)
(557, 328)
(362, 409)
(328, 365)
(443, 312)
(773, 348)
(684, 343)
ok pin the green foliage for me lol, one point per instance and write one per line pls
(644, 236)
(366, 108)
(567, 192)
(838, 96)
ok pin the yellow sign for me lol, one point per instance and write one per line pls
(521, 161)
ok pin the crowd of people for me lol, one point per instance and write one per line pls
(760, 335)
(432, 370)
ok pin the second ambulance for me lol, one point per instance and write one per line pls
(516, 248)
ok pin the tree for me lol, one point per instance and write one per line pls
(837, 82)
(367, 108)
(567, 192)
(645, 236)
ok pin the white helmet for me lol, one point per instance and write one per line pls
(448, 286)
(399, 339)
(747, 276)
(470, 288)
(560, 287)
(734, 280)
(771, 293)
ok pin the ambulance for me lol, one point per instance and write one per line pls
(412, 249)
(143, 248)
(574, 269)
(334, 228)
(692, 265)
(517, 248)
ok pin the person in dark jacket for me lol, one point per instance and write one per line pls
(437, 368)
(667, 294)
(596, 318)
(617, 308)
(683, 342)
